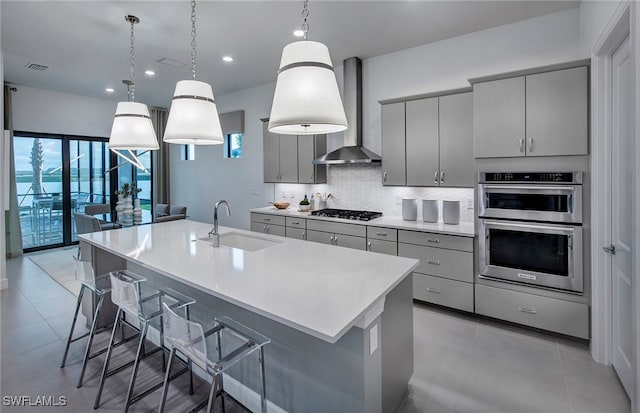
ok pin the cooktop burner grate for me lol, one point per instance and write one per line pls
(347, 214)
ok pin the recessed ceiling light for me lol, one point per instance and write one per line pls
(149, 73)
(298, 33)
(227, 59)
(109, 90)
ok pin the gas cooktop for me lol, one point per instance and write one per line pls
(347, 214)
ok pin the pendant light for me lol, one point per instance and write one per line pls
(193, 116)
(132, 129)
(306, 100)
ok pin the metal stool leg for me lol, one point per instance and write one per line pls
(263, 389)
(219, 343)
(214, 392)
(167, 378)
(92, 333)
(136, 364)
(103, 376)
(73, 325)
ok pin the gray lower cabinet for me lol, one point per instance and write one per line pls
(444, 275)
(539, 114)
(267, 224)
(551, 314)
(393, 144)
(337, 233)
(382, 247)
(296, 228)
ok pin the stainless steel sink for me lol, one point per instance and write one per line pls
(244, 242)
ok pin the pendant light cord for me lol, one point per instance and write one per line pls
(132, 59)
(193, 38)
(305, 14)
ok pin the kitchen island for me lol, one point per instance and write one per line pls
(341, 321)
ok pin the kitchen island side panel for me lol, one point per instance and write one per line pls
(307, 374)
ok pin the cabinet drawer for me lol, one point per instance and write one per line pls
(386, 234)
(455, 265)
(436, 240)
(296, 222)
(267, 219)
(319, 236)
(383, 247)
(349, 241)
(337, 228)
(450, 293)
(297, 233)
(268, 229)
(551, 314)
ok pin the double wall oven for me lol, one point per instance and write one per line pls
(530, 228)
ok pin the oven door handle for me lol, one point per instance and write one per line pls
(532, 188)
(555, 229)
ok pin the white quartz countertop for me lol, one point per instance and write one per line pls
(464, 229)
(319, 289)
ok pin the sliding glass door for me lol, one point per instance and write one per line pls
(57, 176)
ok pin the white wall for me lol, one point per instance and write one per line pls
(438, 66)
(594, 15)
(38, 110)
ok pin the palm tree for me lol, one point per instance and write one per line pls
(37, 159)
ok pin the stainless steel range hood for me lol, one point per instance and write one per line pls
(352, 151)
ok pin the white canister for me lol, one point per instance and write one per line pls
(409, 209)
(451, 212)
(430, 210)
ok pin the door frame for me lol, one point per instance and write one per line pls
(623, 23)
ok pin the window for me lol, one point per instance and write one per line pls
(188, 152)
(233, 145)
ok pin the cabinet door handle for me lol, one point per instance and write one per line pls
(531, 145)
(267, 219)
(311, 178)
(527, 310)
(435, 177)
(295, 223)
(433, 262)
(384, 177)
(266, 229)
(521, 141)
(335, 240)
(435, 241)
(369, 246)
(381, 234)
(331, 240)
(304, 235)
(434, 290)
(441, 177)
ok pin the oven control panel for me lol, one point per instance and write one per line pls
(531, 177)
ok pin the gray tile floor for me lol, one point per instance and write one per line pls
(462, 363)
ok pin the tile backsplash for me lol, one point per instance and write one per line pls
(359, 186)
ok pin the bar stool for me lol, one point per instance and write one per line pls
(189, 340)
(126, 294)
(100, 286)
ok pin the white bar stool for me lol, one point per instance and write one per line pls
(126, 294)
(189, 340)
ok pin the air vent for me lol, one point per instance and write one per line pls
(171, 62)
(35, 66)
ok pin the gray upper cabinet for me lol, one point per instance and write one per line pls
(456, 135)
(540, 114)
(310, 148)
(421, 142)
(557, 112)
(499, 118)
(438, 142)
(289, 158)
(393, 144)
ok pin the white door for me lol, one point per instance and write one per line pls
(622, 153)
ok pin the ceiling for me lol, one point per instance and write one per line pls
(85, 44)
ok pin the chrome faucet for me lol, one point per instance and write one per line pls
(213, 234)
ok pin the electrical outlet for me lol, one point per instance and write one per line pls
(469, 203)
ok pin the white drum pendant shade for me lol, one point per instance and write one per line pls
(193, 117)
(306, 100)
(132, 128)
